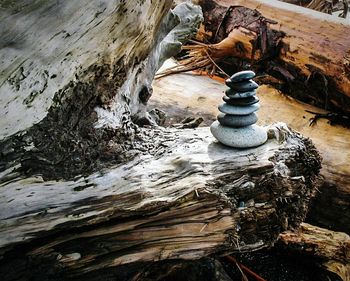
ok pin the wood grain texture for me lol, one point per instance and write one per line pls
(70, 101)
(198, 198)
(48, 44)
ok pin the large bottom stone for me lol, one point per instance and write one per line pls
(244, 137)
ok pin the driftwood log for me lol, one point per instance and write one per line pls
(304, 53)
(192, 198)
(198, 96)
(332, 248)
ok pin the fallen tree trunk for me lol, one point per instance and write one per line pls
(194, 199)
(332, 248)
(302, 52)
(192, 95)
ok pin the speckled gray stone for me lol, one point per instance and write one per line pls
(237, 120)
(242, 76)
(241, 102)
(245, 137)
(237, 95)
(238, 110)
(244, 86)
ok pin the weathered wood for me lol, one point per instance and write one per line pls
(194, 199)
(192, 95)
(304, 51)
(76, 77)
(333, 248)
(68, 87)
(55, 43)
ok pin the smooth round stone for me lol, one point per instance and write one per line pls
(245, 137)
(237, 95)
(242, 76)
(237, 120)
(244, 86)
(241, 102)
(238, 110)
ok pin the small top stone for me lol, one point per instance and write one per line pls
(242, 76)
(244, 86)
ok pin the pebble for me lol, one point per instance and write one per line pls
(244, 86)
(238, 110)
(241, 102)
(237, 120)
(245, 137)
(237, 95)
(242, 76)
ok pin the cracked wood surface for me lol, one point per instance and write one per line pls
(195, 199)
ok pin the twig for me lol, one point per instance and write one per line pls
(184, 68)
(244, 268)
(215, 63)
(196, 43)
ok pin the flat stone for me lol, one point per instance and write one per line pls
(237, 95)
(242, 76)
(237, 120)
(244, 86)
(241, 102)
(245, 137)
(238, 110)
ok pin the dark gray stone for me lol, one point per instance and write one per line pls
(236, 95)
(244, 86)
(237, 120)
(241, 102)
(242, 76)
(238, 110)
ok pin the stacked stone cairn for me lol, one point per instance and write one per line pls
(235, 125)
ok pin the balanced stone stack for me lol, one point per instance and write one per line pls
(236, 122)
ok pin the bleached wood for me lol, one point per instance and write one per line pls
(195, 199)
